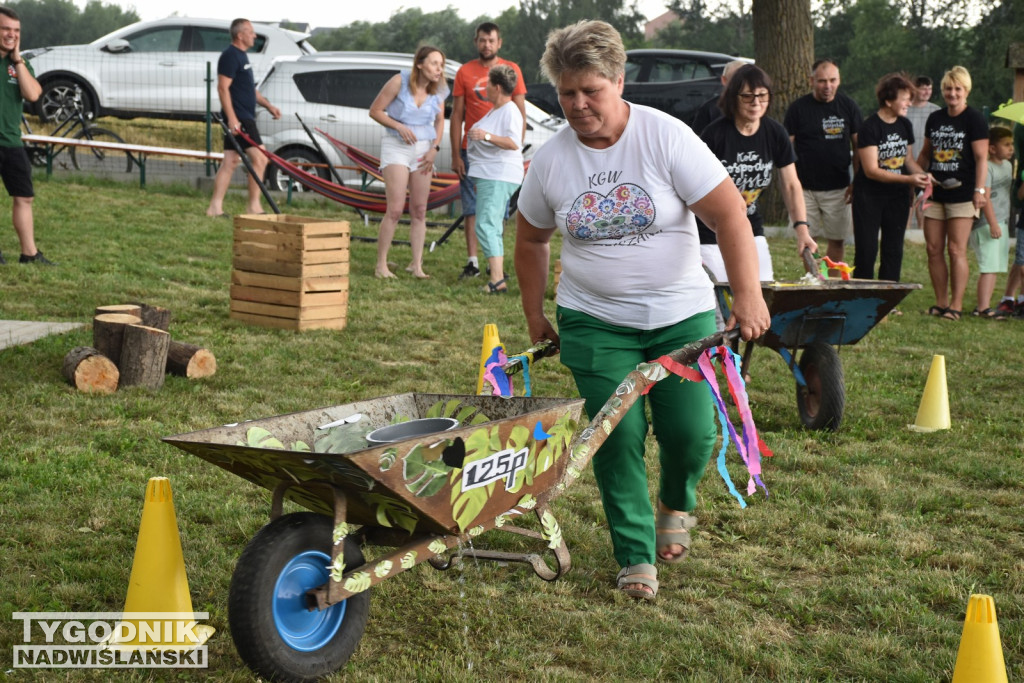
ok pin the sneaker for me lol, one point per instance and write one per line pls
(2, 260)
(1005, 308)
(469, 271)
(38, 258)
(1018, 309)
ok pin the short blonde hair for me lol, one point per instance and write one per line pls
(958, 75)
(589, 46)
(503, 76)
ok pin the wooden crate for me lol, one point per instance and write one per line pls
(290, 272)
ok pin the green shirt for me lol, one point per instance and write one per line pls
(11, 104)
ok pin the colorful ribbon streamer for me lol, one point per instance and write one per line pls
(749, 444)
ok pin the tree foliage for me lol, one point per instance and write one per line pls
(726, 27)
(524, 31)
(60, 22)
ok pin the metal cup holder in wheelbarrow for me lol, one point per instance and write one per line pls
(815, 317)
(299, 596)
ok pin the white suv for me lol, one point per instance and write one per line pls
(333, 91)
(151, 68)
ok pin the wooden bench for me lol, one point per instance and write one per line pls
(137, 153)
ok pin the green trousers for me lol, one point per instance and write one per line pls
(682, 413)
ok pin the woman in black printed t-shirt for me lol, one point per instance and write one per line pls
(751, 146)
(955, 152)
(881, 190)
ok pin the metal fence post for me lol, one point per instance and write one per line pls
(209, 119)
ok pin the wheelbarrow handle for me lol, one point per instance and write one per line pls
(586, 442)
(542, 349)
(811, 263)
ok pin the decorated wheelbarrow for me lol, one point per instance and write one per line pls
(421, 473)
(813, 317)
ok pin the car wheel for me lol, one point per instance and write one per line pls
(302, 157)
(61, 97)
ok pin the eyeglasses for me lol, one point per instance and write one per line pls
(749, 97)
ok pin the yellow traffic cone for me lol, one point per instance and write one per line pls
(490, 341)
(158, 593)
(980, 657)
(933, 414)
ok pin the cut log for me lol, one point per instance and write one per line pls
(90, 371)
(143, 356)
(108, 334)
(156, 316)
(189, 360)
(123, 309)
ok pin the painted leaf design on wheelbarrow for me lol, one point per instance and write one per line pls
(337, 568)
(466, 505)
(467, 415)
(559, 436)
(423, 477)
(383, 568)
(391, 512)
(408, 560)
(341, 530)
(258, 437)
(551, 532)
(358, 582)
(518, 438)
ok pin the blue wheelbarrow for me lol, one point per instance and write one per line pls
(810, 319)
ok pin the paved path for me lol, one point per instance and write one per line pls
(14, 332)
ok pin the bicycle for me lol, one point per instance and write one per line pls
(76, 125)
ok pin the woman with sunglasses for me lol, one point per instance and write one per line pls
(750, 146)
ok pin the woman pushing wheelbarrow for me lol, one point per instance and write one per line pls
(623, 183)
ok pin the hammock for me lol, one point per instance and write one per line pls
(370, 164)
(440, 195)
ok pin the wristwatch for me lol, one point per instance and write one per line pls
(437, 148)
(487, 137)
(980, 189)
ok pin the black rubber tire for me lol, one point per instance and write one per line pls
(100, 161)
(822, 401)
(58, 100)
(278, 180)
(251, 601)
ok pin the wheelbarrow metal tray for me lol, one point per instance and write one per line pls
(504, 452)
(835, 313)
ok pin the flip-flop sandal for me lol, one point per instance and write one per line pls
(937, 311)
(644, 574)
(673, 529)
(951, 314)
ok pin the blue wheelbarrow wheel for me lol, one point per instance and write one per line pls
(822, 401)
(274, 632)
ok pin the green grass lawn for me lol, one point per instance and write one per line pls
(858, 566)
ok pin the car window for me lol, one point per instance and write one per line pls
(343, 87)
(163, 39)
(210, 39)
(666, 69)
(632, 70)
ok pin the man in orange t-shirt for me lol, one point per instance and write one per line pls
(469, 105)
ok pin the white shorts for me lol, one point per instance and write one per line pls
(712, 258)
(394, 151)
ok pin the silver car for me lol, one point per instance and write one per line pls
(333, 91)
(151, 68)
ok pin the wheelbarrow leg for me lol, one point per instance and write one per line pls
(556, 543)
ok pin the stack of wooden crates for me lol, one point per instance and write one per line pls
(290, 272)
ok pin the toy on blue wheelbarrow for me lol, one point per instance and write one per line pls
(813, 317)
(421, 473)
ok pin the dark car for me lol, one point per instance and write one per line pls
(674, 81)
